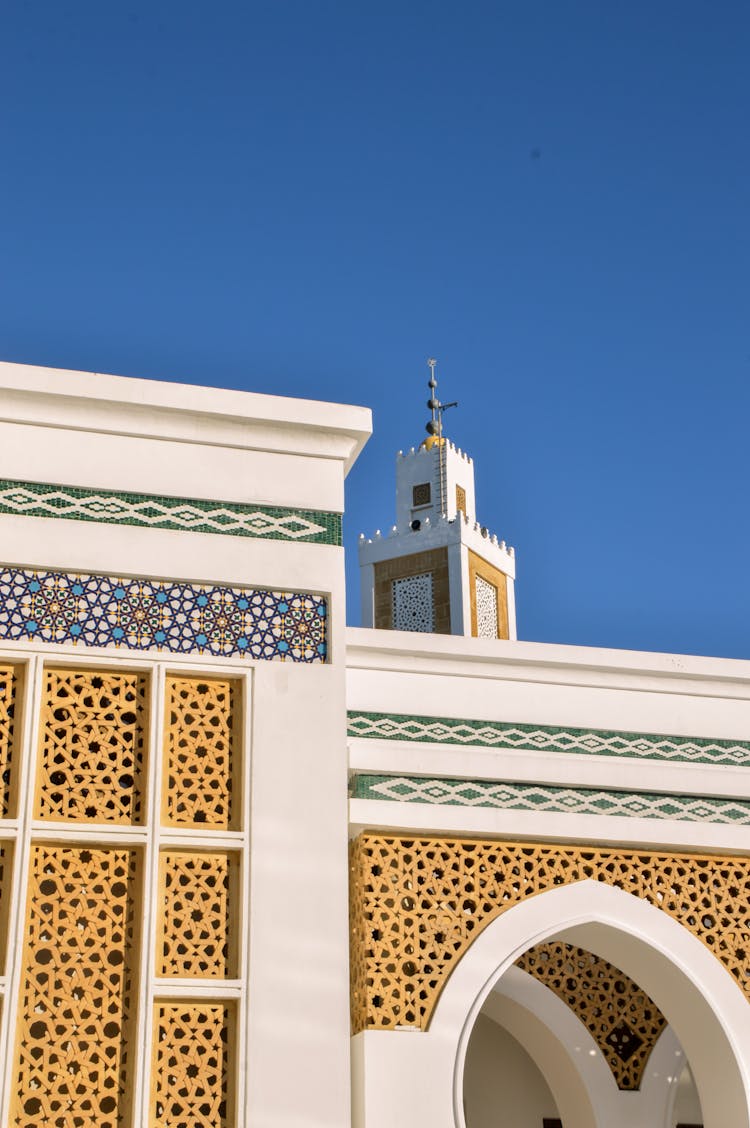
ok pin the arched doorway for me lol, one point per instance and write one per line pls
(701, 1002)
(412, 1078)
(621, 1066)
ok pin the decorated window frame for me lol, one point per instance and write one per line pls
(215, 858)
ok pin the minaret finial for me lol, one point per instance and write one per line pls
(434, 427)
(433, 402)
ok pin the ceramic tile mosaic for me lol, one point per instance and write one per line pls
(182, 618)
(533, 797)
(547, 738)
(40, 499)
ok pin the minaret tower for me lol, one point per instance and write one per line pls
(438, 570)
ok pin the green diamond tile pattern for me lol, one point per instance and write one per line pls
(535, 797)
(39, 499)
(539, 738)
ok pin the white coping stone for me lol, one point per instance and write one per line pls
(546, 683)
(89, 429)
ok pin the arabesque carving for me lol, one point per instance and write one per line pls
(9, 693)
(74, 1056)
(200, 761)
(623, 1021)
(93, 733)
(196, 891)
(417, 904)
(192, 1047)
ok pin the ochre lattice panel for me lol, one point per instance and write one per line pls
(10, 682)
(201, 756)
(192, 1062)
(6, 870)
(623, 1021)
(73, 1064)
(417, 904)
(195, 937)
(93, 735)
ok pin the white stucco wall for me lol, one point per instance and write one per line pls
(503, 1088)
(687, 1107)
(395, 673)
(100, 431)
(170, 440)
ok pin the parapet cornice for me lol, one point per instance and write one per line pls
(423, 450)
(92, 401)
(453, 655)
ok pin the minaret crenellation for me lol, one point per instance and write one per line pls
(438, 570)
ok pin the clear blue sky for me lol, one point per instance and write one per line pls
(311, 198)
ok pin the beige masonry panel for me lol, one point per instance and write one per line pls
(435, 563)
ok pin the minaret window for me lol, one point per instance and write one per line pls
(461, 500)
(421, 494)
(486, 609)
(413, 604)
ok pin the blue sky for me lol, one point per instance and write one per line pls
(311, 199)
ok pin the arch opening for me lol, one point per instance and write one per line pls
(527, 1038)
(700, 1001)
(413, 1073)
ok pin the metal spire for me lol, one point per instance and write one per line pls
(435, 425)
(434, 429)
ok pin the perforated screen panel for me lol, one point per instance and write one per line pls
(131, 876)
(486, 609)
(421, 494)
(413, 604)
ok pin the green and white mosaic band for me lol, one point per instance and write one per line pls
(545, 738)
(111, 507)
(533, 797)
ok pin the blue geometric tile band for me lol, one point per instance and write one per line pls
(113, 507)
(546, 738)
(538, 798)
(181, 618)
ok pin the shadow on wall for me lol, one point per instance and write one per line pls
(503, 1088)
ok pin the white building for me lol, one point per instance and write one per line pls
(544, 915)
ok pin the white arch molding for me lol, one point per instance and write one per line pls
(411, 1079)
(585, 1092)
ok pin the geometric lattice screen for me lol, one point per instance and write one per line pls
(196, 935)
(93, 732)
(192, 1064)
(74, 1032)
(623, 1021)
(203, 717)
(412, 603)
(131, 894)
(416, 904)
(10, 677)
(486, 608)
